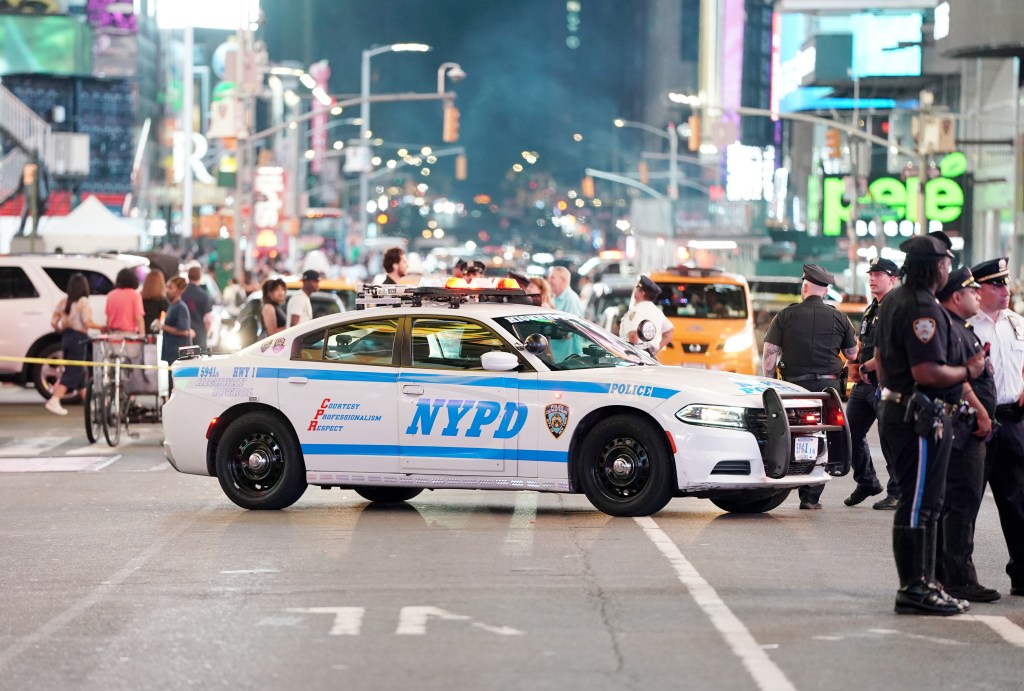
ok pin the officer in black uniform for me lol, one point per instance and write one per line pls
(1003, 330)
(918, 384)
(804, 341)
(965, 477)
(861, 409)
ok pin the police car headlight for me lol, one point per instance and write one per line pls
(714, 416)
(740, 342)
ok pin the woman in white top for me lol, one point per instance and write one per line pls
(72, 319)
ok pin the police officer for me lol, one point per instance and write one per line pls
(861, 409)
(1003, 330)
(807, 337)
(965, 477)
(645, 309)
(913, 349)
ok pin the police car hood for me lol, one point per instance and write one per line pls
(685, 385)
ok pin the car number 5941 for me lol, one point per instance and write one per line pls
(806, 448)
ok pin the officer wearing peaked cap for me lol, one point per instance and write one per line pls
(965, 477)
(1003, 330)
(862, 406)
(804, 341)
(645, 292)
(920, 382)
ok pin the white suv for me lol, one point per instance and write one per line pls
(31, 285)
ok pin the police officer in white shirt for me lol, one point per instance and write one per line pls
(300, 309)
(1002, 331)
(644, 294)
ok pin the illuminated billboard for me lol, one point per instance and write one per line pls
(48, 45)
(229, 15)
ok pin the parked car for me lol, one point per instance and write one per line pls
(413, 393)
(610, 300)
(31, 285)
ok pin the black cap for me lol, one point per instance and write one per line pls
(647, 284)
(942, 237)
(310, 275)
(474, 267)
(994, 271)
(922, 248)
(958, 280)
(883, 266)
(818, 276)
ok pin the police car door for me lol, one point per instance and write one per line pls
(454, 416)
(339, 394)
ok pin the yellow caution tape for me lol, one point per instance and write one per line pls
(82, 363)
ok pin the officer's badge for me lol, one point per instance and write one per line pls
(557, 417)
(924, 329)
(1002, 265)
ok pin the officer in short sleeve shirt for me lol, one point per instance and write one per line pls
(808, 338)
(1003, 329)
(644, 308)
(915, 349)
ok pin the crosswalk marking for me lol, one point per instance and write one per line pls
(54, 464)
(29, 446)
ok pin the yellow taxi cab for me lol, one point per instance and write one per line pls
(346, 290)
(713, 320)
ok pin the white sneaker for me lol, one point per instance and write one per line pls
(54, 406)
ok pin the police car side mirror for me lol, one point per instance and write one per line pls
(646, 331)
(498, 361)
(536, 344)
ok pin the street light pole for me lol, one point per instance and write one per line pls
(364, 114)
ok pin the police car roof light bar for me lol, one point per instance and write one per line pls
(454, 294)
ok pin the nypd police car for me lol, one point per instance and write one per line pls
(464, 388)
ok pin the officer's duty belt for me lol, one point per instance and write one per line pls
(890, 396)
(894, 396)
(810, 377)
(1009, 411)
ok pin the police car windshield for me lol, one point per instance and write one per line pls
(573, 344)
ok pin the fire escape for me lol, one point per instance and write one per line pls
(28, 138)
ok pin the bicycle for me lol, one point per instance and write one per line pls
(107, 397)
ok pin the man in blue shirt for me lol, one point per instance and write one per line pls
(566, 300)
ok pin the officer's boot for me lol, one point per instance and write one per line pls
(930, 552)
(915, 595)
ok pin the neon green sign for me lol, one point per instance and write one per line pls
(943, 197)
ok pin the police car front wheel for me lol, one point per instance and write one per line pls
(259, 464)
(625, 467)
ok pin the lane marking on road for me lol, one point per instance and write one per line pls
(519, 538)
(1010, 632)
(348, 621)
(766, 674)
(101, 466)
(54, 464)
(32, 446)
(412, 621)
(103, 590)
(916, 636)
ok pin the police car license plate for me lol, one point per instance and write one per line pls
(806, 448)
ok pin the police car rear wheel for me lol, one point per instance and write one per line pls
(388, 495)
(751, 503)
(625, 469)
(259, 464)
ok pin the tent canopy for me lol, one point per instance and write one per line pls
(91, 227)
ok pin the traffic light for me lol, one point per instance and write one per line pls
(588, 187)
(460, 167)
(450, 125)
(694, 142)
(645, 172)
(834, 142)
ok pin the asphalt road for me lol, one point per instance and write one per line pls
(119, 573)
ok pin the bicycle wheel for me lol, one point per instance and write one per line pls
(112, 414)
(125, 409)
(93, 411)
